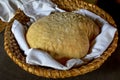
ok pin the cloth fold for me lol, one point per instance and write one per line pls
(8, 8)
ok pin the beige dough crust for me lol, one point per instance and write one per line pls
(63, 35)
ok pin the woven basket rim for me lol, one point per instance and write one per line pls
(52, 73)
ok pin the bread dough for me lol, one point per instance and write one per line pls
(63, 35)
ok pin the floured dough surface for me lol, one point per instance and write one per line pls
(63, 35)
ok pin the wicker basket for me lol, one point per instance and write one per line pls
(18, 57)
(2, 25)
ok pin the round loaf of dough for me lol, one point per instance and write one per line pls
(62, 35)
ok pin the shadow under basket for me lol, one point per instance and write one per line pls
(17, 55)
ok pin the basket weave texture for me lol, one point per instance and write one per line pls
(18, 56)
(2, 25)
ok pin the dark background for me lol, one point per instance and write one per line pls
(110, 70)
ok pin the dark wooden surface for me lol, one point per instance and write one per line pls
(110, 70)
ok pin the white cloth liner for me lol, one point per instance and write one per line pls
(8, 8)
(39, 8)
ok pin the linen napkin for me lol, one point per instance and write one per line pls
(40, 8)
(8, 8)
